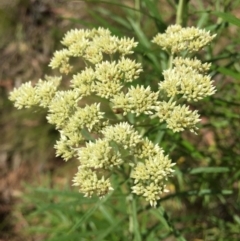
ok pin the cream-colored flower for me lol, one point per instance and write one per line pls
(108, 78)
(107, 89)
(64, 148)
(79, 48)
(107, 44)
(188, 82)
(61, 60)
(123, 134)
(62, 107)
(125, 45)
(45, 90)
(177, 39)
(197, 88)
(153, 192)
(171, 82)
(100, 32)
(89, 117)
(93, 54)
(195, 64)
(138, 100)
(107, 71)
(150, 177)
(164, 110)
(83, 81)
(89, 184)
(99, 154)
(183, 118)
(146, 149)
(74, 35)
(129, 69)
(101, 144)
(24, 96)
(156, 169)
(119, 101)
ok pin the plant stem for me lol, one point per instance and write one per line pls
(129, 206)
(182, 12)
(133, 218)
(174, 231)
(137, 7)
(170, 61)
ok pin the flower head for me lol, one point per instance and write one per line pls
(188, 82)
(24, 96)
(62, 106)
(99, 154)
(150, 177)
(123, 134)
(103, 141)
(183, 118)
(177, 39)
(89, 183)
(138, 100)
(45, 90)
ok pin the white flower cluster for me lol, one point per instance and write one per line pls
(138, 100)
(110, 151)
(186, 78)
(28, 96)
(102, 144)
(177, 39)
(150, 176)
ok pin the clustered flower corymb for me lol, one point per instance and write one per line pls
(177, 39)
(100, 144)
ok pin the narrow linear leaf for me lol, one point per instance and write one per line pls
(228, 17)
(229, 72)
(89, 213)
(137, 233)
(209, 170)
(111, 229)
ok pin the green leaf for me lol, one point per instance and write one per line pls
(136, 229)
(107, 214)
(155, 14)
(229, 72)
(144, 42)
(89, 213)
(198, 170)
(228, 17)
(140, 34)
(115, 225)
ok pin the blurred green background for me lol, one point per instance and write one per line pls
(37, 201)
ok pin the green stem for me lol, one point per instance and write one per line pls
(171, 226)
(182, 12)
(137, 7)
(134, 229)
(170, 61)
(129, 205)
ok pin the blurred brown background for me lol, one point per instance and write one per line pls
(30, 31)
